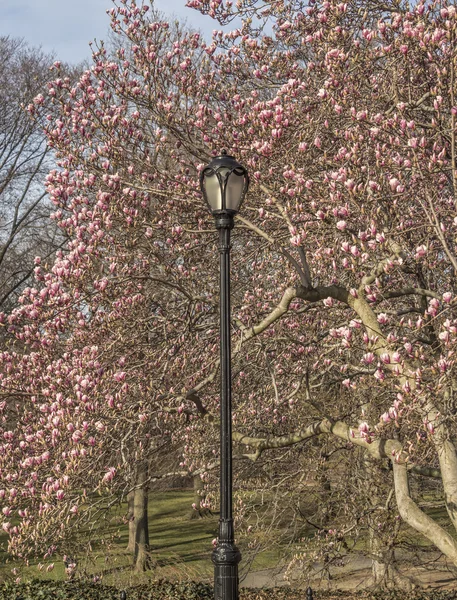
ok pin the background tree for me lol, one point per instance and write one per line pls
(25, 159)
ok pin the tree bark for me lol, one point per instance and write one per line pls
(447, 456)
(381, 551)
(197, 511)
(382, 569)
(417, 519)
(141, 559)
(130, 516)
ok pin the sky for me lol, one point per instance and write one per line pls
(66, 27)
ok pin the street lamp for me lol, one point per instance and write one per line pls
(224, 183)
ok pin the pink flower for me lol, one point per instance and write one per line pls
(433, 306)
(393, 413)
(444, 336)
(368, 358)
(443, 365)
(408, 347)
(396, 357)
(379, 375)
(77, 436)
(295, 240)
(394, 183)
(341, 225)
(109, 476)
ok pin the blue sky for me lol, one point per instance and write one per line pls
(67, 26)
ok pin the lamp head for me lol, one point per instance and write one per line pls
(224, 184)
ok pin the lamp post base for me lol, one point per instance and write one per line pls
(226, 557)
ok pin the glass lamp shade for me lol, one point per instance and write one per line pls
(224, 183)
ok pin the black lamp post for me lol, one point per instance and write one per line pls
(224, 183)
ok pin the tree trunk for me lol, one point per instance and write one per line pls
(197, 511)
(130, 516)
(381, 542)
(447, 456)
(383, 558)
(141, 559)
(417, 519)
(384, 571)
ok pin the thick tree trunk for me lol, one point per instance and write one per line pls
(141, 559)
(384, 571)
(448, 462)
(130, 516)
(383, 559)
(447, 456)
(417, 519)
(381, 546)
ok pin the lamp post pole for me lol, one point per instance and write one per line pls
(226, 555)
(224, 183)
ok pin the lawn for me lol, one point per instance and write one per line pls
(180, 546)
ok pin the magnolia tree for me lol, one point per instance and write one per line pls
(344, 293)
(99, 344)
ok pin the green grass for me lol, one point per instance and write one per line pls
(180, 547)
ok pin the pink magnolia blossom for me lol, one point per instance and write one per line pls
(341, 225)
(109, 475)
(368, 358)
